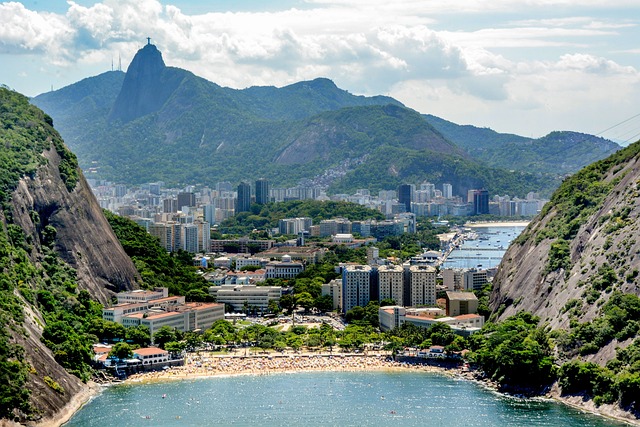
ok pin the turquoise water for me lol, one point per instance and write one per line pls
(323, 399)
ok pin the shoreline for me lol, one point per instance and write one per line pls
(611, 412)
(211, 366)
(76, 403)
(225, 366)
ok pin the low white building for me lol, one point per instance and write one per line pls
(151, 355)
(394, 316)
(343, 238)
(240, 296)
(285, 269)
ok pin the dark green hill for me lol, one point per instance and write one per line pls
(304, 99)
(556, 153)
(164, 123)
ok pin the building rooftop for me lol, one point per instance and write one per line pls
(149, 351)
(467, 316)
(461, 296)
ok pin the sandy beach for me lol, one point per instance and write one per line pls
(208, 365)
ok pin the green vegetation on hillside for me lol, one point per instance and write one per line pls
(387, 167)
(515, 352)
(25, 132)
(264, 217)
(556, 153)
(618, 381)
(618, 320)
(581, 195)
(283, 134)
(157, 267)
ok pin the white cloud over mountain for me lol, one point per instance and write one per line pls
(478, 61)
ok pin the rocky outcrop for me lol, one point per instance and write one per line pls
(84, 239)
(146, 87)
(603, 253)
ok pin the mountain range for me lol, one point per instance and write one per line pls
(160, 123)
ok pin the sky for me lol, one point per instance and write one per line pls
(526, 67)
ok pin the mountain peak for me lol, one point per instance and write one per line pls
(147, 62)
(143, 90)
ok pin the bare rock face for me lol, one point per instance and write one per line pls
(603, 258)
(84, 239)
(146, 87)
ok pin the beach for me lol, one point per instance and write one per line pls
(207, 365)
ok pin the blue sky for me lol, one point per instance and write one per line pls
(520, 66)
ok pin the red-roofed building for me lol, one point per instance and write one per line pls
(151, 355)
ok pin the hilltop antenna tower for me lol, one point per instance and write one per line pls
(119, 63)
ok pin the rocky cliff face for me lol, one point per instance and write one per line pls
(582, 249)
(146, 87)
(84, 239)
(58, 258)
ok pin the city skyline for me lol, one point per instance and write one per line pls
(552, 65)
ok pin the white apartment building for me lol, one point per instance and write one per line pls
(452, 279)
(422, 285)
(240, 295)
(334, 290)
(474, 279)
(356, 282)
(391, 283)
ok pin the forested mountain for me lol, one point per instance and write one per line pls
(164, 123)
(557, 152)
(576, 267)
(59, 262)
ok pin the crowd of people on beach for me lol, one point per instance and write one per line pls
(209, 366)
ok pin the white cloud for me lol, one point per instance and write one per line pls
(497, 68)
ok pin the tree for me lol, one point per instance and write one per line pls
(387, 302)
(193, 340)
(305, 300)
(287, 302)
(138, 335)
(164, 335)
(175, 347)
(121, 351)
(324, 303)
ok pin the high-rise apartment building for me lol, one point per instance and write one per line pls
(474, 279)
(405, 195)
(447, 191)
(480, 202)
(243, 203)
(391, 283)
(186, 199)
(262, 191)
(422, 285)
(356, 283)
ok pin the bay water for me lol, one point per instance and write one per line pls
(380, 398)
(486, 250)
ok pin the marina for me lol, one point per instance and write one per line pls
(482, 247)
